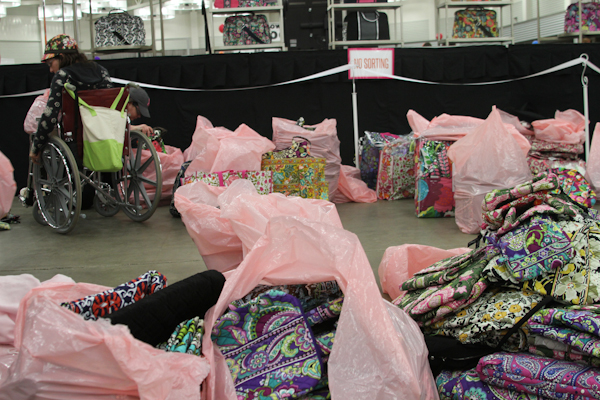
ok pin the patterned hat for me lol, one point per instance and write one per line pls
(59, 44)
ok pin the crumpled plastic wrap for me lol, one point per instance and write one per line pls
(36, 110)
(399, 263)
(217, 242)
(592, 172)
(566, 127)
(486, 159)
(324, 143)
(250, 212)
(416, 121)
(514, 121)
(379, 352)
(8, 186)
(219, 149)
(351, 188)
(62, 356)
(170, 163)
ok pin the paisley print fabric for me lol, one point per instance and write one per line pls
(545, 163)
(325, 312)
(262, 180)
(577, 282)
(488, 319)
(574, 185)
(546, 347)
(300, 148)
(546, 377)
(370, 155)
(269, 348)
(187, 337)
(396, 175)
(304, 177)
(325, 343)
(544, 146)
(102, 304)
(431, 297)
(433, 182)
(466, 385)
(534, 248)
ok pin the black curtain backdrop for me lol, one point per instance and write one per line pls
(382, 104)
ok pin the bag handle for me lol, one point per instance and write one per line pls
(362, 14)
(252, 35)
(71, 90)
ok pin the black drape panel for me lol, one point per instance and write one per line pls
(382, 104)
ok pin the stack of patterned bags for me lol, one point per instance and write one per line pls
(545, 156)
(433, 175)
(396, 174)
(541, 246)
(296, 172)
(370, 147)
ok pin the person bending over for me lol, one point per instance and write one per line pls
(62, 56)
(138, 107)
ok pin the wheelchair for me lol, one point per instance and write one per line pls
(60, 179)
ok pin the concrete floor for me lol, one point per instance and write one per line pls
(110, 251)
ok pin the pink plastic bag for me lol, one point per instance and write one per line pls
(399, 263)
(8, 186)
(351, 188)
(31, 122)
(324, 143)
(62, 356)
(170, 163)
(218, 244)
(219, 149)
(566, 127)
(197, 146)
(592, 173)
(514, 121)
(250, 212)
(488, 158)
(417, 122)
(378, 353)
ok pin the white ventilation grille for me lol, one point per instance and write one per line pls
(526, 32)
(547, 7)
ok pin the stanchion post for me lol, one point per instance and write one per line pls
(355, 120)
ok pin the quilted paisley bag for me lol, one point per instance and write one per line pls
(246, 30)
(118, 29)
(269, 347)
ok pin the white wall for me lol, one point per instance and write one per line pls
(22, 34)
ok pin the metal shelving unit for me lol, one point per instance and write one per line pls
(565, 37)
(447, 5)
(279, 44)
(395, 7)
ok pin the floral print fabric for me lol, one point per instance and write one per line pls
(550, 348)
(300, 148)
(269, 348)
(466, 385)
(102, 304)
(396, 175)
(574, 185)
(544, 146)
(370, 155)
(433, 183)
(262, 180)
(534, 248)
(304, 177)
(539, 165)
(187, 337)
(541, 376)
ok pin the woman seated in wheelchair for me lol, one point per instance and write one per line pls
(69, 66)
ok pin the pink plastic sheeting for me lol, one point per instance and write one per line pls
(250, 212)
(170, 163)
(12, 289)
(417, 122)
(62, 356)
(324, 143)
(566, 127)
(351, 188)
(455, 127)
(31, 122)
(514, 121)
(400, 263)
(8, 186)
(198, 143)
(219, 149)
(379, 352)
(217, 242)
(486, 159)
(592, 173)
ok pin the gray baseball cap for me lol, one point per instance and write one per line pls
(139, 96)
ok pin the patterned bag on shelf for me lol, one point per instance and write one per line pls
(474, 23)
(304, 177)
(370, 149)
(396, 175)
(118, 29)
(262, 180)
(246, 30)
(590, 14)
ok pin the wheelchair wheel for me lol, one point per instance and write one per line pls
(104, 208)
(37, 215)
(57, 186)
(138, 178)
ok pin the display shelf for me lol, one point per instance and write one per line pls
(566, 36)
(448, 5)
(395, 7)
(224, 12)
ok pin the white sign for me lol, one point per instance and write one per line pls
(376, 61)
